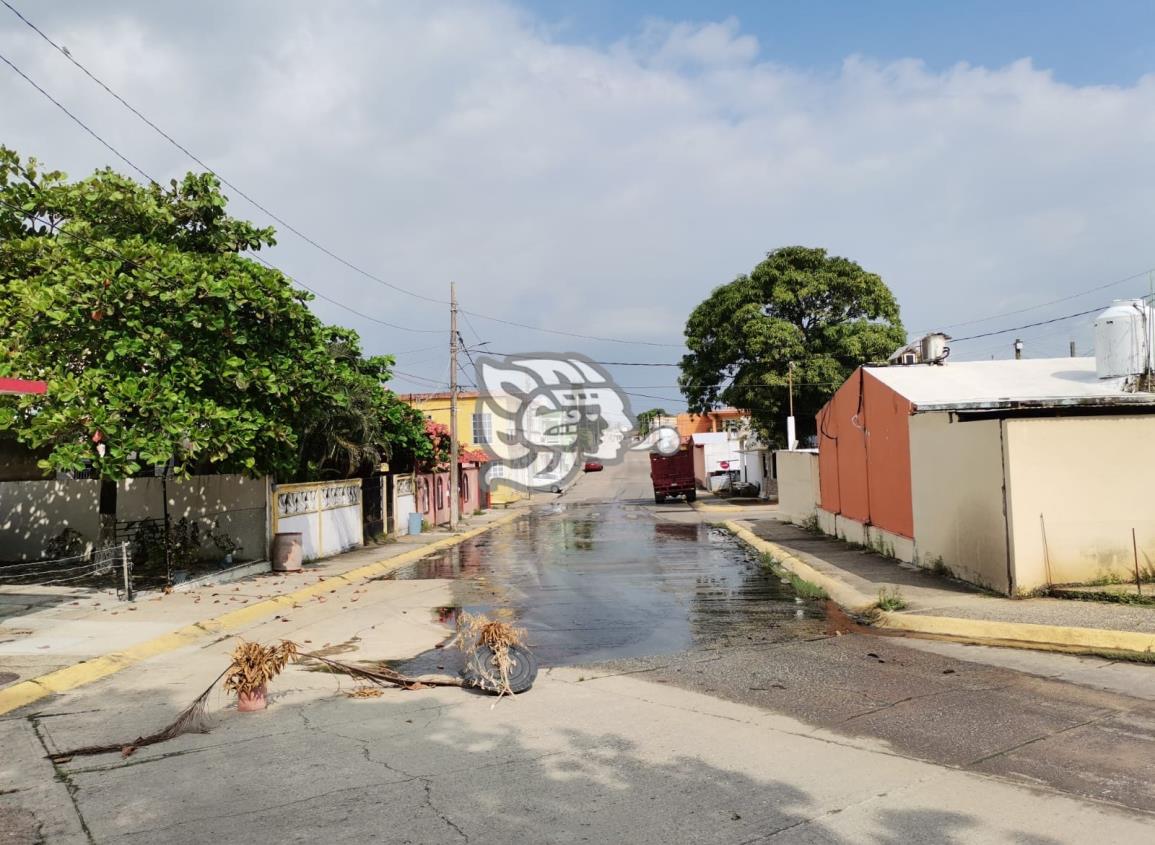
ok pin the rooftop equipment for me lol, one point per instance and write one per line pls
(1123, 339)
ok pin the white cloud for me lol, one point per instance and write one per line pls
(606, 190)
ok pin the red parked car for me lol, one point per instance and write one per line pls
(593, 466)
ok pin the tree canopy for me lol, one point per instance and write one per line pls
(646, 419)
(823, 314)
(160, 341)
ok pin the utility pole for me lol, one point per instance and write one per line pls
(790, 438)
(1072, 349)
(454, 492)
(1018, 349)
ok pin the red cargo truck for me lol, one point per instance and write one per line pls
(673, 475)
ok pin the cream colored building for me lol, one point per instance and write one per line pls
(1020, 473)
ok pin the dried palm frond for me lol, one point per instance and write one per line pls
(381, 676)
(364, 692)
(475, 631)
(254, 665)
(193, 719)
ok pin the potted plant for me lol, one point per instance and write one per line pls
(254, 665)
(227, 544)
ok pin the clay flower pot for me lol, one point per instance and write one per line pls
(250, 702)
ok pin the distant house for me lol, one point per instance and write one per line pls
(720, 419)
(475, 428)
(717, 458)
(1012, 474)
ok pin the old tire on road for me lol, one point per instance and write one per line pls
(481, 670)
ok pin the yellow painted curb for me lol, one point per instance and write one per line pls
(970, 630)
(79, 674)
(841, 592)
(975, 630)
(699, 506)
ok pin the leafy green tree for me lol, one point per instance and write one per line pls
(799, 307)
(160, 341)
(357, 423)
(646, 419)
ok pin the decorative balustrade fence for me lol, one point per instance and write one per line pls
(327, 514)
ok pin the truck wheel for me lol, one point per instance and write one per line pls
(659, 498)
(692, 495)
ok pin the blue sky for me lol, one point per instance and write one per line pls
(1084, 43)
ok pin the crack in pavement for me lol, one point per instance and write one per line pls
(1101, 717)
(61, 775)
(452, 825)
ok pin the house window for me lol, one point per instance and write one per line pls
(482, 428)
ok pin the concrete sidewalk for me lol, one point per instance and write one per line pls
(47, 632)
(854, 577)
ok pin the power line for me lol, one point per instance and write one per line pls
(415, 351)
(240, 192)
(75, 119)
(112, 253)
(149, 178)
(336, 302)
(569, 334)
(1050, 302)
(418, 379)
(468, 322)
(68, 55)
(603, 363)
(1029, 325)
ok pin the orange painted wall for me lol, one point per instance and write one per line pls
(864, 455)
(699, 424)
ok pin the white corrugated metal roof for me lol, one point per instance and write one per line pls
(1038, 382)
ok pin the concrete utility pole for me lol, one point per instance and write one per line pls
(454, 494)
(790, 438)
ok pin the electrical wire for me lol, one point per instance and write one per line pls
(1029, 325)
(598, 338)
(602, 363)
(255, 203)
(112, 253)
(75, 119)
(150, 179)
(400, 289)
(336, 302)
(1045, 304)
(419, 379)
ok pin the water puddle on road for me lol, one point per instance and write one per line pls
(605, 582)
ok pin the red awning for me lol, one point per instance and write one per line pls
(19, 385)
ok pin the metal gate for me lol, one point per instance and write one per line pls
(373, 506)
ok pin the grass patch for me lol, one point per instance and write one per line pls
(890, 598)
(1145, 600)
(803, 588)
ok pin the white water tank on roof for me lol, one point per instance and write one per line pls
(1123, 339)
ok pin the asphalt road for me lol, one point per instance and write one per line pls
(761, 722)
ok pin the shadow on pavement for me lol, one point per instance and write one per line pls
(426, 769)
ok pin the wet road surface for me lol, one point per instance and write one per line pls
(614, 588)
(600, 582)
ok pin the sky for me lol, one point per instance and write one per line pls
(598, 168)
